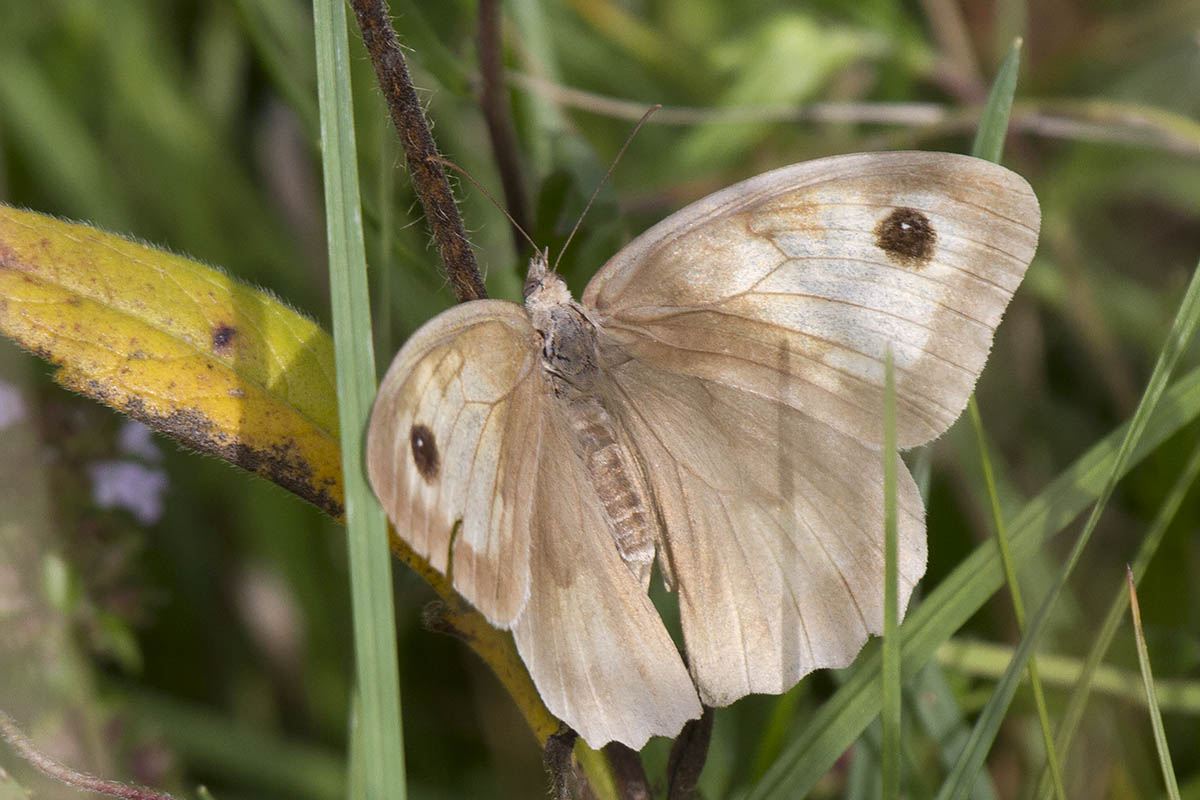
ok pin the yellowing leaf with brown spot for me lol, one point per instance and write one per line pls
(220, 366)
(190, 351)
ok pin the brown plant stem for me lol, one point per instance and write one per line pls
(497, 113)
(628, 772)
(556, 754)
(21, 744)
(429, 179)
(452, 615)
(687, 758)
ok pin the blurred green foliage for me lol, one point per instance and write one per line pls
(213, 645)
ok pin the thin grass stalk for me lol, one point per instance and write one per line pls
(379, 736)
(1014, 588)
(1160, 736)
(989, 144)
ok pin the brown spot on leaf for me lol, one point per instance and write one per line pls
(222, 336)
(425, 452)
(907, 237)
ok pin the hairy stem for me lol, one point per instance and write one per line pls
(429, 179)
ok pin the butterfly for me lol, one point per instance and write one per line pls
(713, 403)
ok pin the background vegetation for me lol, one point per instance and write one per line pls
(207, 639)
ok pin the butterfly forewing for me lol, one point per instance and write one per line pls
(453, 436)
(839, 258)
(466, 434)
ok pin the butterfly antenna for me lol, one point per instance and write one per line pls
(447, 163)
(604, 180)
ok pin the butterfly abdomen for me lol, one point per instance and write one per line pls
(620, 485)
(569, 358)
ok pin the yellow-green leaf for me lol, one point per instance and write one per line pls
(190, 351)
(220, 366)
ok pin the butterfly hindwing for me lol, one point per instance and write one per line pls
(774, 529)
(593, 642)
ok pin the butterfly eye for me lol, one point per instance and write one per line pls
(425, 452)
(907, 236)
(531, 283)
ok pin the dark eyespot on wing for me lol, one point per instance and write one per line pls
(222, 336)
(425, 452)
(907, 237)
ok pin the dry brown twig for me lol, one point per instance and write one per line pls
(1098, 120)
(453, 615)
(428, 177)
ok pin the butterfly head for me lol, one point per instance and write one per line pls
(568, 337)
(543, 286)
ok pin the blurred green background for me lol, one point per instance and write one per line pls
(203, 636)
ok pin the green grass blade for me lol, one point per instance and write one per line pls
(989, 144)
(366, 528)
(1014, 588)
(891, 640)
(357, 777)
(958, 782)
(993, 125)
(1160, 736)
(1084, 683)
(936, 707)
(963, 592)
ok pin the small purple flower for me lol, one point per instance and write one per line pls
(129, 485)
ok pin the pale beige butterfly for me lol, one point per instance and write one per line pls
(715, 399)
